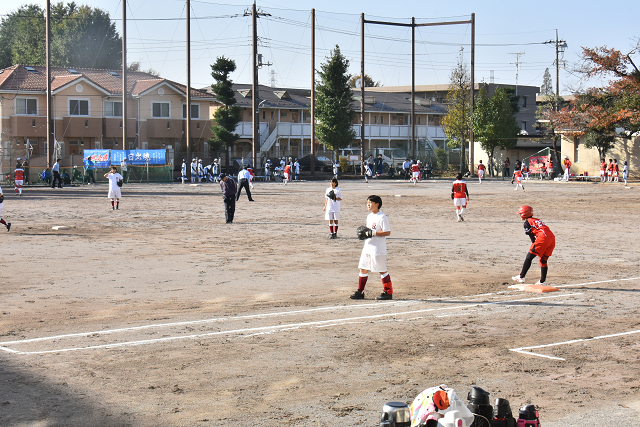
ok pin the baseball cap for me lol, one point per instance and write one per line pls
(222, 175)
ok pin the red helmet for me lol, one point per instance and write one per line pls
(525, 211)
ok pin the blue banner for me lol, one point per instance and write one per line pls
(96, 158)
(139, 157)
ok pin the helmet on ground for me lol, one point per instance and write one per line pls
(525, 211)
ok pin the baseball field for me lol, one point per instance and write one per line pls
(160, 314)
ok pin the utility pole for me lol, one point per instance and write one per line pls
(124, 75)
(517, 54)
(255, 96)
(413, 88)
(472, 97)
(50, 137)
(313, 91)
(560, 45)
(362, 85)
(187, 131)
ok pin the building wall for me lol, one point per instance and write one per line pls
(585, 159)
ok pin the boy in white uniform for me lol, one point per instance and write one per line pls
(374, 252)
(194, 170)
(114, 191)
(2, 221)
(183, 171)
(331, 209)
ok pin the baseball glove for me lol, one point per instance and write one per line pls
(1, 198)
(332, 195)
(119, 183)
(363, 232)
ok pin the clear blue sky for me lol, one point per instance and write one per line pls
(156, 37)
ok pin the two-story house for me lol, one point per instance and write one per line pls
(87, 113)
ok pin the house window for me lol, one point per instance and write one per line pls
(113, 108)
(195, 111)
(524, 101)
(418, 119)
(375, 120)
(27, 106)
(264, 115)
(160, 109)
(381, 120)
(78, 107)
(283, 114)
(524, 125)
(272, 115)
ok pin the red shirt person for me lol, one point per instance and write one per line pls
(543, 242)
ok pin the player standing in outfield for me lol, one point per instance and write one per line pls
(331, 209)
(374, 252)
(517, 176)
(610, 170)
(459, 195)
(2, 221)
(367, 171)
(336, 168)
(567, 168)
(603, 170)
(481, 169)
(194, 170)
(18, 176)
(114, 189)
(616, 170)
(287, 174)
(296, 167)
(267, 170)
(625, 172)
(543, 241)
(183, 171)
(415, 171)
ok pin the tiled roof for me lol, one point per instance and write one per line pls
(19, 78)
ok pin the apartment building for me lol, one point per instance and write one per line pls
(87, 112)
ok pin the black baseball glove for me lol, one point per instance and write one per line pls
(364, 232)
(1, 198)
(119, 183)
(332, 195)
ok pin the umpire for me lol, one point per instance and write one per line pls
(228, 187)
(243, 181)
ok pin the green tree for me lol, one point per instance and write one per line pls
(81, 37)
(368, 80)
(457, 123)
(547, 84)
(334, 111)
(494, 122)
(603, 141)
(227, 117)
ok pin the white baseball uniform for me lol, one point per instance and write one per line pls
(374, 252)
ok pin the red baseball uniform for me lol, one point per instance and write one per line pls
(544, 241)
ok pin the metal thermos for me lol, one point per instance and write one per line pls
(395, 414)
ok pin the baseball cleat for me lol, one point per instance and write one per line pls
(8, 226)
(384, 296)
(518, 279)
(357, 295)
(541, 283)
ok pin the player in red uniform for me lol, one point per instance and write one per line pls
(616, 170)
(481, 169)
(18, 179)
(415, 172)
(543, 241)
(603, 170)
(517, 176)
(459, 195)
(610, 170)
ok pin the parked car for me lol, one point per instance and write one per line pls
(395, 156)
(322, 164)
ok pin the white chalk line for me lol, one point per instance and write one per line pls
(249, 316)
(522, 349)
(595, 283)
(253, 330)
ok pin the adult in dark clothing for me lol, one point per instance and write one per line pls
(379, 165)
(229, 188)
(25, 166)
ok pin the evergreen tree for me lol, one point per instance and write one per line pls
(334, 111)
(227, 117)
(547, 84)
(457, 123)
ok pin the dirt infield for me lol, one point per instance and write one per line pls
(161, 314)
